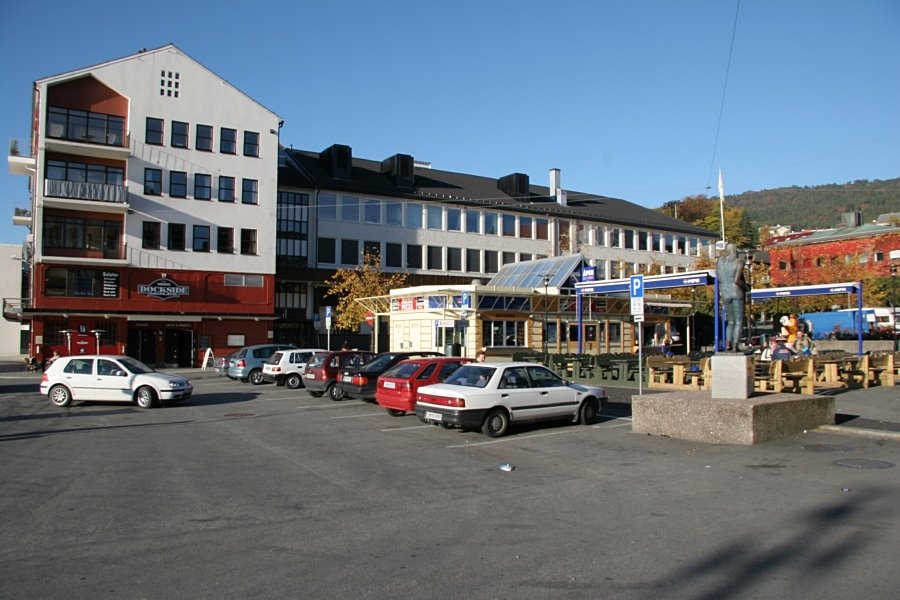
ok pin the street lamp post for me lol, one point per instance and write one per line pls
(546, 324)
(894, 302)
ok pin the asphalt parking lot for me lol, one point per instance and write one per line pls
(267, 492)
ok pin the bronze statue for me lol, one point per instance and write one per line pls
(730, 273)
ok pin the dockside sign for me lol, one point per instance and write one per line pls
(164, 289)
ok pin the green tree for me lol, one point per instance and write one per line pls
(366, 280)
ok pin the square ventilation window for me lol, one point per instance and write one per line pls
(169, 84)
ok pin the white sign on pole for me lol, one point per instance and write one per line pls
(636, 292)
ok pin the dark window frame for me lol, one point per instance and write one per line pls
(227, 140)
(204, 142)
(200, 238)
(154, 132)
(180, 134)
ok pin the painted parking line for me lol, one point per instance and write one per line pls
(379, 414)
(407, 428)
(538, 435)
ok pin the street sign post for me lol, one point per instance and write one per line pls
(636, 292)
(328, 326)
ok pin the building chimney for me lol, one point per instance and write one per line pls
(556, 190)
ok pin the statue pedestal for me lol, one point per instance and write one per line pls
(732, 375)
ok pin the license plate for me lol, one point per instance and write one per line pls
(310, 376)
(347, 378)
(390, 385)
(432, 416)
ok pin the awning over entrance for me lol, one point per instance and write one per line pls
(824, 289)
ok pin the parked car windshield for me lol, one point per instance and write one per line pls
(317, 360)
(380, 362)
(403, 370)
(471, 376)
(135, 366)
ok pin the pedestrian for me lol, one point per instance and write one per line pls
(481, 356)
(345, 345)
(781, 351)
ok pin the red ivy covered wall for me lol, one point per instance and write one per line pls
(824, 262)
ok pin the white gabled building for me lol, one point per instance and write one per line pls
(153, 185)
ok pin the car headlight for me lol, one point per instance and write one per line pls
(176, 384)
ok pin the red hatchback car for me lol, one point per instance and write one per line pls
(396, 389)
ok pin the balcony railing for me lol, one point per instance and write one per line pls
(81, 190)
(13, 308)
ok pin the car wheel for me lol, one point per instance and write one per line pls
(495, 423)
(60, 395)
(293, 381)
(588, 412)
(145, 397)
(334, 393)
(256, 377)
(396, 413)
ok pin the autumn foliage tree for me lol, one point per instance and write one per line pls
(704, 211)
(366, 280)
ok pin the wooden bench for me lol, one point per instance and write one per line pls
(767, 376)
(881, 370)
(855, 371)
(799, 375)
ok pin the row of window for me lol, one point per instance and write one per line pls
(200, 240)
(821, 261)
(415, 215)
(512, 333)
(155, 135)
(178, 186)
(440, 258)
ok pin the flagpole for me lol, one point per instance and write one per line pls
(722, 204)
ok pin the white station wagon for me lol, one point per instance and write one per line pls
(490, 396)
(105, 378)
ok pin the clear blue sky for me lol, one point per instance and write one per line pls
(623, 97)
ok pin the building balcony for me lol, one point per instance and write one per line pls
(85, 147)
(97, 197)
(84, 256)
(14, 307)
(22, 217)
(21, 165)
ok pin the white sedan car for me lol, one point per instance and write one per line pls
(111, 379)
(490, 396)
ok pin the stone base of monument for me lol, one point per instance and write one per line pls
(697, 416)
(732, 375)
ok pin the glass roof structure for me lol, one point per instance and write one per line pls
(530, 274)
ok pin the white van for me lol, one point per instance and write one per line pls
(286, 367)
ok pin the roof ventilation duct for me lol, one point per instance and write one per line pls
(338, 161)
(515, 185)
(399, 168)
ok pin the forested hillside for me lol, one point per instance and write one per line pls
(818, 207)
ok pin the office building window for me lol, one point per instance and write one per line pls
(249, 192)
(349, 252)
(248, 241)
(372, 211)
(490, 223)
(202, 186)
(153, 182)
(372, 248)
(491, 261)
(413, 256)
(435, 217)
(201, 238)
(228, 141)
(178, 184)
(180, 134)
(509, 258)
(473, 261)
(226, 189)
(154, 133)
(454, 219)
(414, 215)
(205, 138)
(435, 258)
(525, 227)
(327, 207)
(454, 259)
(251, 143)
(350, 209)
(509, 225)
(393, 213)
(393, 255)
(176, 236)
(225, 240)
(473, 221)
(542, 229)
(150, 237)
(326, 251)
